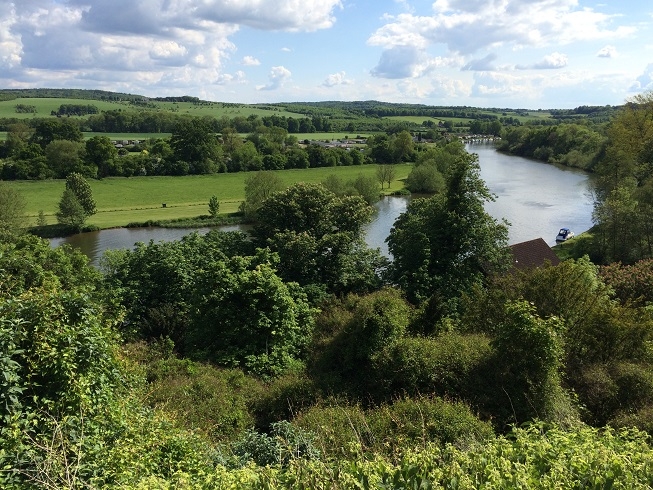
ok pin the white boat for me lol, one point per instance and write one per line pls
(564, 234)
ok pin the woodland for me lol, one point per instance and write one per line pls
(297, 357)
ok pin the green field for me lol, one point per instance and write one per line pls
(138, 199)
(45, 105)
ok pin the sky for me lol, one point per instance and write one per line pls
(531, 54)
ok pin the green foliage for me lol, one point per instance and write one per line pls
(632, 284)
(450, 365)
(349, 336)
(245, 315)
(318, 237)
(204, 399)
(258, 187)
(529, 352)
(425, 179)
(388, 430)
(214, 206)
(447, 243)
(71, 212)
(155, 282)
(12, 209)
(285, 442)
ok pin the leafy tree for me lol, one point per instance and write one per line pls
(100, 152)
(48, 130)
(246, 316)
(530, 352)
(65, 157)
(402, 146)
(318, 237)
(156, 281)
(12, 209)
(245, 157)
(448, 243)
(194, 141)
(425, 179)
(214, 206)
(258, 187)
(385, 173)
(82, 190)
(76, 203)
(367, 188)
(71, 212)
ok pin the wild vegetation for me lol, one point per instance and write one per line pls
(296, 357)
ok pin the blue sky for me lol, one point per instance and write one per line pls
(533, 54)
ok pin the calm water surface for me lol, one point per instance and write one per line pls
(537, 199)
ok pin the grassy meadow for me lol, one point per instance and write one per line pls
(122, 200)
(45, 105)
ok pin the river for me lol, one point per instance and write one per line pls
(537, 199)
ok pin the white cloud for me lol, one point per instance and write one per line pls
(466, 26)
(607, 52)
(278, 76)
(484, 64)
(551, 61)
(645, 81)
(250, 61)
(336, 79)
(409, 62)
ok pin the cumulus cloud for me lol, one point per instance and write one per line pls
(278, 76)
(483, 64)
(466, 26)
(250, 61)
(408, 62)
(336, 79)
(142, 41)
(645, 81)
(549, 62)
(607, 52)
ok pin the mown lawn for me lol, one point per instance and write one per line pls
(137, 199)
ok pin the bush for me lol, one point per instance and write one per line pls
(285, 443)
(447, 365)
(390, 429)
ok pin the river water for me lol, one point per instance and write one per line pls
(537, 199)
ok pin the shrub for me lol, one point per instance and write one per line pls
(446, 365)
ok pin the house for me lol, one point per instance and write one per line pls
(532, 254)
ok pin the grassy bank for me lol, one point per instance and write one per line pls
(121, 201)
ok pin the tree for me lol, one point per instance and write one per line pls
(12, 209)
(367, 188)
(425, 179)
(448, 243)
(71, 212)
(65, 157)
(76, 203)
(258, 187)
(245, 315)
(214, 207)
(318, 237)
(193, 141)
(402, 146)
(82, 190)
(100, 152)
(385, 173)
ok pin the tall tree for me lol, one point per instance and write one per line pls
(12, 209)
(447, 243)
(194, 141)
(76, 202)
(100, 153)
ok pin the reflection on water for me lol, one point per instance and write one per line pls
(536, 199)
